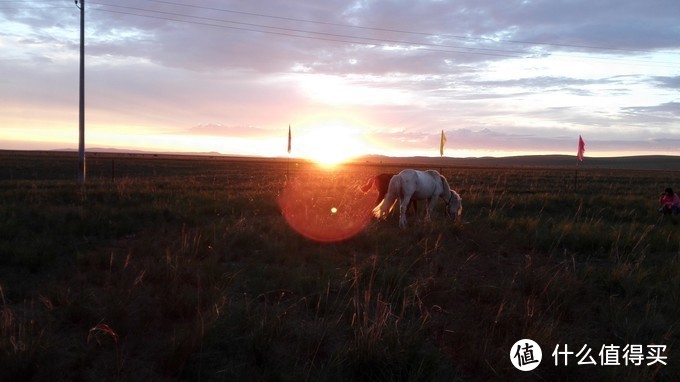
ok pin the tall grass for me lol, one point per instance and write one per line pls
(186, 270)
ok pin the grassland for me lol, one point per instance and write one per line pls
(183, 268)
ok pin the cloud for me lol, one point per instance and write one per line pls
(542, 82)
(516, 74)
(213, 129)
(666, 111)
(668, 82)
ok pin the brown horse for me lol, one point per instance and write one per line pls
(381, 182)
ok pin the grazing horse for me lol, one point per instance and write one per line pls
(381, 182)
(418, 185)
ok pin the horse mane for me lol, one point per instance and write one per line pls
(387, 204)
(445, 185)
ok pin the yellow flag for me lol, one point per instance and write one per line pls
(441, 144)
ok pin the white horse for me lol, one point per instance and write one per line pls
(418, 185)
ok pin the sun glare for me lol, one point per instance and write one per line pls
(331, 145)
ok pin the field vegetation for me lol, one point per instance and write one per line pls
(185, 268)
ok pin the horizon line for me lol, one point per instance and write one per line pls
(106, 150)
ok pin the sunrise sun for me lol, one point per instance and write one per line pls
(331, 145)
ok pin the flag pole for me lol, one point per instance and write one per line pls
(288, 160)
(576, 176)
(442, 141)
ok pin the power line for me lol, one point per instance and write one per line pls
(353, 39)
(470, 38)
(423, 34)
(32, 8)
(331, 36)
(334, 37)
(29, 2)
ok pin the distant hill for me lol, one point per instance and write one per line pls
(644, 162)
(641, 162)
(109, 150)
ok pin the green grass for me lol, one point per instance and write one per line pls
(185, 269)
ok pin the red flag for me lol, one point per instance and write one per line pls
(288, 139)
(581, 149)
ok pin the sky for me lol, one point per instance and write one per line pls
(349, 77)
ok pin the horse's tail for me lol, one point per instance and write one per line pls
(387, 204)
(366, 187)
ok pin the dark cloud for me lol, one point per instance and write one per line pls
(471, 31)
(665, 111)
(668, 82)
(542, 82)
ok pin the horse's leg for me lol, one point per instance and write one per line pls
(426, 216)
(429, 207)
(414, 206)
(403, 207)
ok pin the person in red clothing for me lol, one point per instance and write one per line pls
(670, 202)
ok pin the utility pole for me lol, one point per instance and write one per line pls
(81, 135)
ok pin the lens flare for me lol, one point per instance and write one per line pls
(325, 211)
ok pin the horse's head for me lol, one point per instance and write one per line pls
(454, 205)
